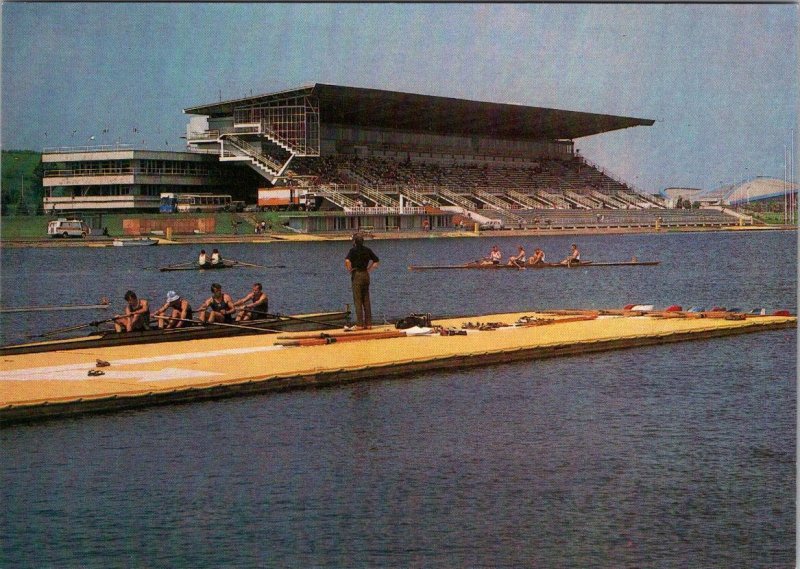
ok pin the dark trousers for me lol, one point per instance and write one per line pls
(360, 282)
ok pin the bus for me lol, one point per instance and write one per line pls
(194, 203)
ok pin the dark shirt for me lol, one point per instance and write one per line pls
(360, 257)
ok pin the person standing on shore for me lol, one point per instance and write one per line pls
(360, 261)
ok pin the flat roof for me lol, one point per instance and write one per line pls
(436, 115)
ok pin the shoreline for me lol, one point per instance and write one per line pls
(47, 242)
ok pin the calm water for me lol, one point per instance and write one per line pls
(669, 456)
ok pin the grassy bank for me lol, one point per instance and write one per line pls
(35, 226)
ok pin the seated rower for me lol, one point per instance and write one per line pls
(180, 312)
(574, 257)
(258, 306)
(494, 258)
(519, 259)
(137, 314)
(537, 258)
(216, 258)
(201, 259)
(217, 308)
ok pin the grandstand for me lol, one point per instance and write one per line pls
(760, 189)
(369, 153)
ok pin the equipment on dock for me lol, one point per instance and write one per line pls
(490, 266)
(109, 338)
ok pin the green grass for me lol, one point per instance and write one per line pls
(770, 217)
(23, 227)
(35, 226)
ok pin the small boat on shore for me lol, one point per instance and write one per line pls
(110, 338)
(490, 266)
(135, 242)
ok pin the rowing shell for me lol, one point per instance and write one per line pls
(299, 322)
(205, 267)
(490, 266)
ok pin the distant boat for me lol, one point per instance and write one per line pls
(490, 266)
(135, 242)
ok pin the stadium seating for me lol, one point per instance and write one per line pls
(557, 193)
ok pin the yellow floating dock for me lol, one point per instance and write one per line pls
(37, 386)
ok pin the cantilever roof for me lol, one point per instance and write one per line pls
(437, 115)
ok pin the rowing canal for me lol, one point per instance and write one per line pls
(668, 456)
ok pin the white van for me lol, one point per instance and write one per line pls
(68, 228)
(491, 224)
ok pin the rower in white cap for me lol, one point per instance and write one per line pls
(180, 312)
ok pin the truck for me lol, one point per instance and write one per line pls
(285, 198)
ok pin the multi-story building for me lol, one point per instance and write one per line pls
(119, 178)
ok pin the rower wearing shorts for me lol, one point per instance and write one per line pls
(574, 257)
(218, 308)
(258, 306)
(180, 312)
(538, 257)
(136, 317)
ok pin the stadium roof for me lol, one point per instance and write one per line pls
(750, 191)
(438, 115)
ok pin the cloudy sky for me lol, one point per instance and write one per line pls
(721, 81)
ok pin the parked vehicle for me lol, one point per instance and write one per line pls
(63, 227)
(194, 203)
(492, 224)
(286, 198)
(235, 206)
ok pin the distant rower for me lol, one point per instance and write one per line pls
(518, 260)
(216, 258)
(495, 255)
(574, 257)
(537, 258)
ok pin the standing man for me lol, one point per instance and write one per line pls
(360, 261)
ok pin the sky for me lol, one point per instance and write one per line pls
(721, 81)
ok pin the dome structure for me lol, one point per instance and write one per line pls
(758, 189)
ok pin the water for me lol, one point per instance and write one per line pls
(669, 456)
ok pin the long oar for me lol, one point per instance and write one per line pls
(242, 263)
(71, 328)
(54, 308)
(193, 321)
(299, 319)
